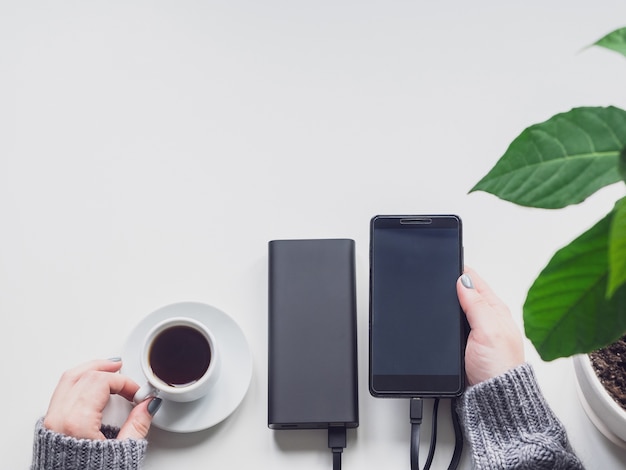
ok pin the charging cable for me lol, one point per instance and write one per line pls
(416, 414)
(458, 436)
(336, 442)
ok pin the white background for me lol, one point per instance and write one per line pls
(150, 150)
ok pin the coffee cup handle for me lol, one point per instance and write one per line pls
(144, 392)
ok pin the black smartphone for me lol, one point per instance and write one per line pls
(417, 330)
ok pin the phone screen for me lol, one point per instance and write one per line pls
(416, 323)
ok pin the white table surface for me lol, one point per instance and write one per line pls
(149, 150)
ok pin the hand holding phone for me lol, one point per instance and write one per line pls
(495, 343)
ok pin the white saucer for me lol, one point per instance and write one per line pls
(236, 368)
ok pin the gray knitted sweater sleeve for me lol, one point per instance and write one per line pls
(54, 451)
(509, 425)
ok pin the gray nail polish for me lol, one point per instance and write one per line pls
(154, 405)
(467, 281)
(115, 359)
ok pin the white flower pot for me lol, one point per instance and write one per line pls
(602, 410)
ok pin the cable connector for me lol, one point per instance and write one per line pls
(337, 442)
(416, 411)
(415, 414)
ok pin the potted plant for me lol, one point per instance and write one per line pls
(577, 305)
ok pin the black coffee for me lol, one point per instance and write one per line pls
(180, 356)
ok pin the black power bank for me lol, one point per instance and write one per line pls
(312, 333)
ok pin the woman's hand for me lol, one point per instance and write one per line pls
(82, 393)
(495, 343)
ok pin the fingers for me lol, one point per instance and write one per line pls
(139, 420)
(103, 365)
(82, 394)
(485, 290)
(478, 301)
(80, 397)
(121, 385)
(495, 343)
(99, 373)
(476, 308)
(72, 376)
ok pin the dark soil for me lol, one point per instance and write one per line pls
(610, 366)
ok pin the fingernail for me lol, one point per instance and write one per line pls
(115, 359)
(154, 405)
(467, 281)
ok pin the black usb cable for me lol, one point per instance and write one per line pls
(416, 414)
(337, 442)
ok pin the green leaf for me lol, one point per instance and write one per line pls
(617, 249)
(622, 164)
(561, 161)
(566, 310)
(615, 41)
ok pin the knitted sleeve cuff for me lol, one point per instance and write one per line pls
(509, 425)
(54, 451)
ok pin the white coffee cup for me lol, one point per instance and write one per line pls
(180, 361)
